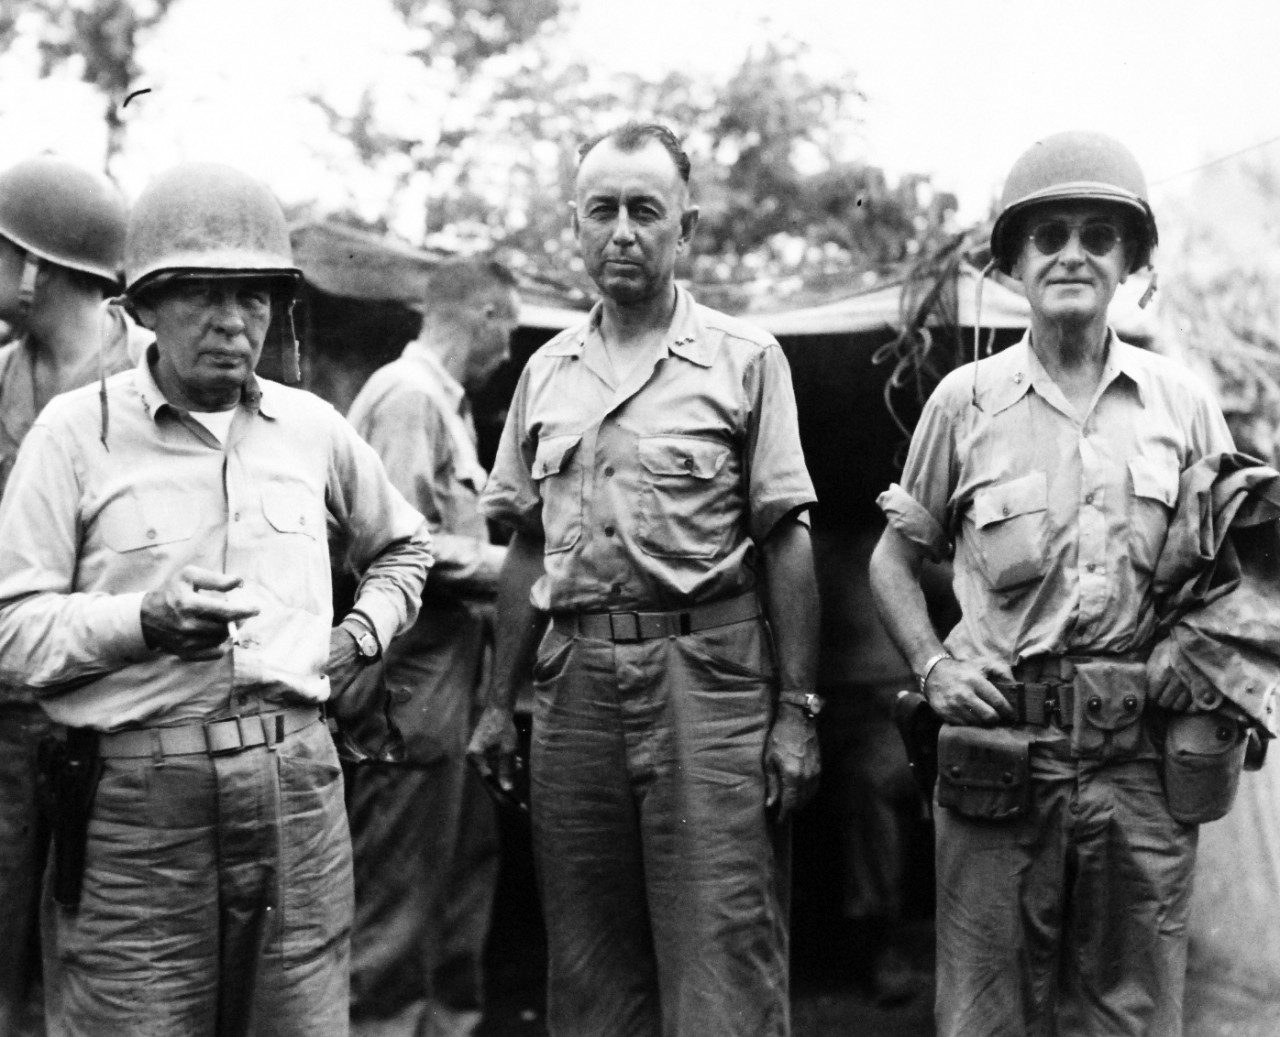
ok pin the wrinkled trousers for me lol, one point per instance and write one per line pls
(426, 851)
(1073, 918)
(217, 900)
(24, 844)
(663, 883)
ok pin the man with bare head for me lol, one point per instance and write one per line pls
(651, 470)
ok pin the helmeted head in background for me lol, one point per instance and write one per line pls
(1081, 166)
(54, 212)
(215, 239)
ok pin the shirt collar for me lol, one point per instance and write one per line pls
(1008, 376)
(686, 337)
(452, 388)
(258, 395)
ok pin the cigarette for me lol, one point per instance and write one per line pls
(234, 631)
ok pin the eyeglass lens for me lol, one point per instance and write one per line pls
(1051, 237)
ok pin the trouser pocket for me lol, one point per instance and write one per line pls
(1203, 757)
(984, 773)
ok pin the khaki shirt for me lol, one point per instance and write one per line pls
(414, 414)
(122, 344)
(1055, 520)
(652, 493)
(87, 530)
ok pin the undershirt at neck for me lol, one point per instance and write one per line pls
(216, 421)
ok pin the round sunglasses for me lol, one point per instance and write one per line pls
(1051, 236)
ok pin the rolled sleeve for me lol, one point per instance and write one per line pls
(920, 506)
(511, 496)
(778, 481)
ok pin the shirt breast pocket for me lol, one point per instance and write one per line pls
(291, 511)
(682, 507)
(1011, 521)
(1154, 481)
(558, 473)
(137, 522)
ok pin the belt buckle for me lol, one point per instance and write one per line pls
(1053, 701)
(214, 743)
(629, 635)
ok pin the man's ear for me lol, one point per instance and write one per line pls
(688, 224)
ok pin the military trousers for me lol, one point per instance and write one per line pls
(1072, 919)
(663, 882)
(216, 902)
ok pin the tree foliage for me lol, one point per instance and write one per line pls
(100, 37)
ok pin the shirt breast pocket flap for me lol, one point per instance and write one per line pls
(1155, 480)
(1011, 528)
(133, 524)
(553, 456)
(290, 511)
(682, 455)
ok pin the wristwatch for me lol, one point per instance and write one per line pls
(808, 701)
(366, 640)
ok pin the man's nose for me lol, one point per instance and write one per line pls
(1072, 251)
(227, 312)
(623, 231)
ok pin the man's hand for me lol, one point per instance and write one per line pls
(182, 620)
(791, 762)
(345, 660)
(963, 694)
(492, 749)
(1164, 686)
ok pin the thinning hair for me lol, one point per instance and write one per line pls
(633, 136)
(456, 284)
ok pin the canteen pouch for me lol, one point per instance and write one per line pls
(984, 773)
(1109, 698)
(1203, 757)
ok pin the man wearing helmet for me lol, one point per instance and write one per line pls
(1048, 474)
(61, 246)
(164, 587)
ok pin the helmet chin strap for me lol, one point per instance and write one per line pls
(27, 286)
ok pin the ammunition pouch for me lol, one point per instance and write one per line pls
(984, 773)
(71, 768)
(1203, 757)
(1110, 695)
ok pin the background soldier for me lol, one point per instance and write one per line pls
(651, 469)
(164, 586)
(61, 247)
(425, 838)
(1049, 471)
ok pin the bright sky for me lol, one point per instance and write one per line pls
(955, 88)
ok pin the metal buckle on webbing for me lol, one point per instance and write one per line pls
(1040, 702)
(630, 630)
(214, 739)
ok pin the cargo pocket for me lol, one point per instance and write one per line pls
(1203, 756)
(1010, 519)
(559, 482)
(682, 509)
(1155, 493)
(1109, 700)
(984, 773)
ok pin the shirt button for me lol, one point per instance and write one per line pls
(235, 517)
(1005, 510)
(608, 472)
(608, 531)
(1088, 498)
(151, 534)
(616, 589)
(1091, 566)
(688, 463)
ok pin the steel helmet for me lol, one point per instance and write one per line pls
(206, 220)
(66, 215)
(1079, 164)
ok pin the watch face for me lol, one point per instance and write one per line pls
(368, 645)
(814, 704)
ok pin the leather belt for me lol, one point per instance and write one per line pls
(641, 626)
(211, 737)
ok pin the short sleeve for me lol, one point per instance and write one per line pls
(778, 481)
(511, 496)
